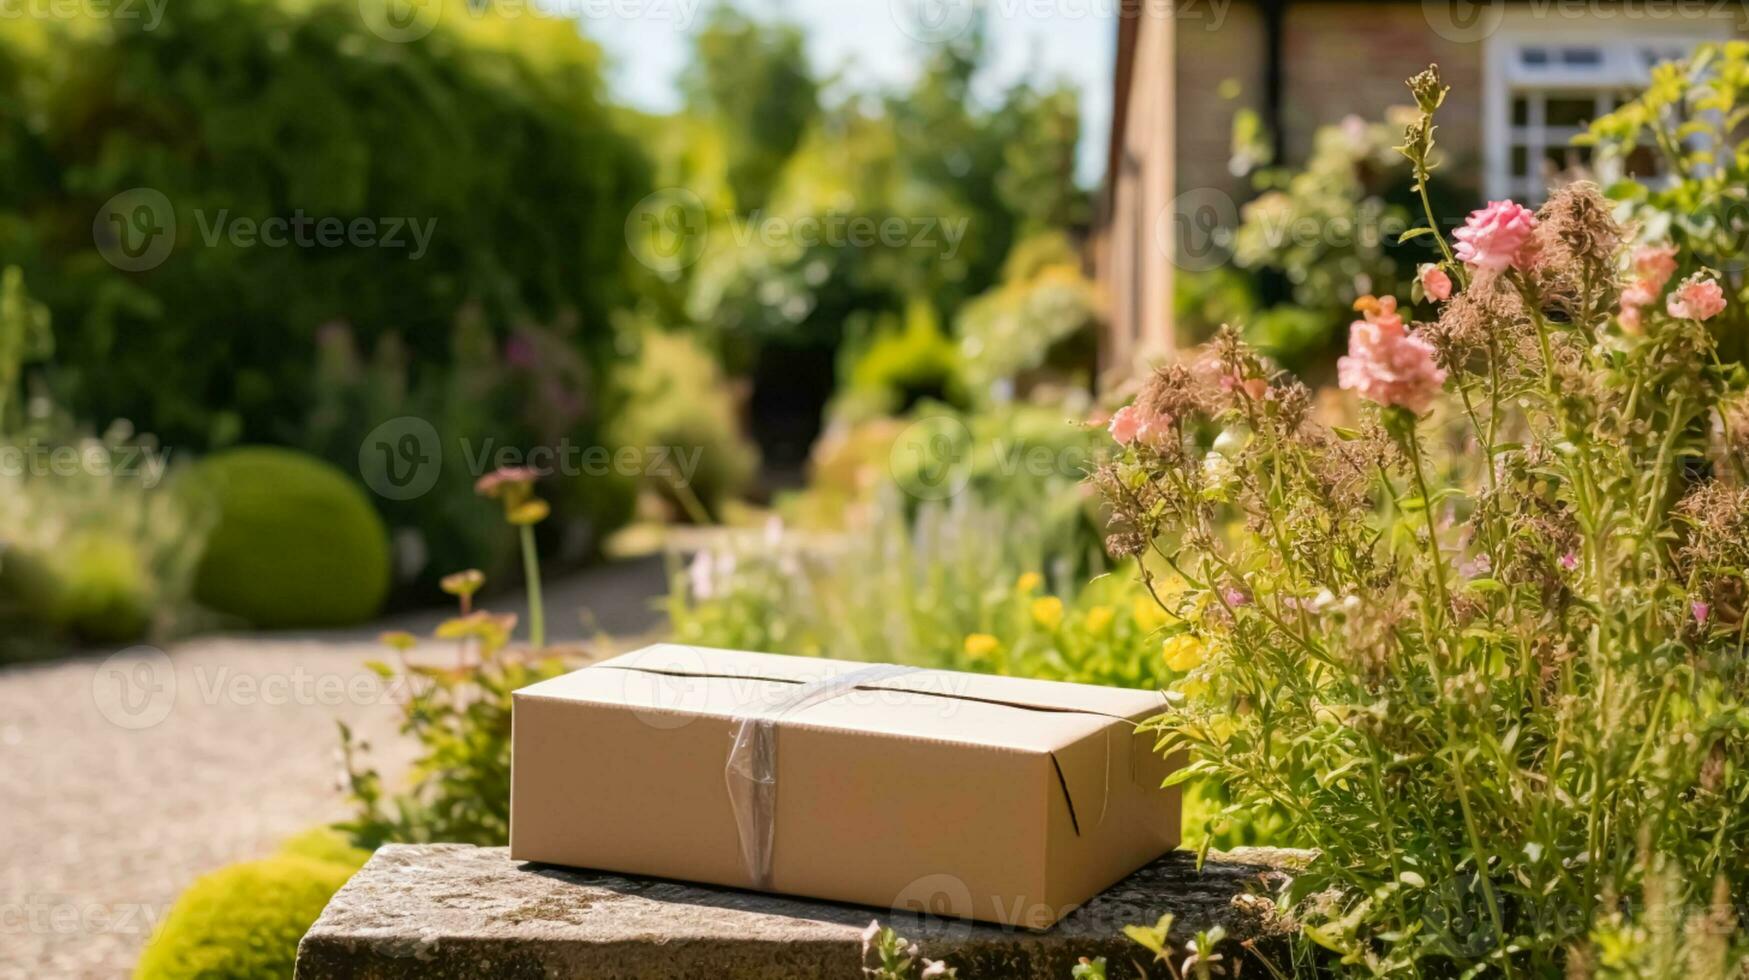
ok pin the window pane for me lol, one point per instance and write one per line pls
(1569, 110)
(1520, 161)
(1535, 57)
(1520, 111)
(1581, 57)
(1559, 159)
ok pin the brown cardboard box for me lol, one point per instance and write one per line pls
(994, 798)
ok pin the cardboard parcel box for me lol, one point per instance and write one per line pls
(995, 798)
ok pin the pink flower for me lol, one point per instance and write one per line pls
(1641, 292)
(1696, 299)
(1630, 317)
(1385, 364)
(1493, 237)
(1655, 264)
(1255, 388)
(1701, 611)
(494, 483)
(1134, 424)
(1125, 424)
(1435, 283)
(1569, 561)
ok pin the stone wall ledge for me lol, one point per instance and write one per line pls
(443, 911)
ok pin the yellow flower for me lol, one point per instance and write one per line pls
(1183, 652)
(1098, 618)
(1047, 611)
(1149, 616)
(981, 645)
(1029, 582)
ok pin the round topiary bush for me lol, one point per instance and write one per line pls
(243, 922)
(297, 542)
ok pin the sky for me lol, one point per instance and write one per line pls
(875, 43)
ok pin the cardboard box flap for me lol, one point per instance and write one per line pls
(1012, 714)
(1020, 692)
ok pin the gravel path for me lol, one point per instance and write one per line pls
(123, 777)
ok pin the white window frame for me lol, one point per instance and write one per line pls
(1621, 40)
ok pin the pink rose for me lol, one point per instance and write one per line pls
(1132, 424)
(1642, 292)
(1384, 363)
(1125, 424)
(1655, 264)
(1493, 237)
(1696, 299)
(1435, 283)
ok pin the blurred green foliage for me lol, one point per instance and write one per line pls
(99, 534)
(512, 396)
(883, 201)
(1039, 322)
(753, 80)
(297, 543)
(682, 414)
(493, 133)
(1315, 238)
(1687, 127)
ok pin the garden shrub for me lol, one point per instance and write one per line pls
(460, 714)
(902, 361)
(676, 399)
(1483, 647)
(529, 393)
(297, 542)
(1039, 323)
(243, 922)
(1689, 120)
(490, 133)
(1315, 239)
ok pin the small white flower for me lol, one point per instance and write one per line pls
(868, 936)
(701, 577)
(934, 968)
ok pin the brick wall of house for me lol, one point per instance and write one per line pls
(1218, 44)
(1342, 58)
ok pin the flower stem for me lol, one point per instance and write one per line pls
(537, 626)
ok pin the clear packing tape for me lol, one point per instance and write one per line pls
(751, 771)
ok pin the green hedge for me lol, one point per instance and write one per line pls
(492, 134)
